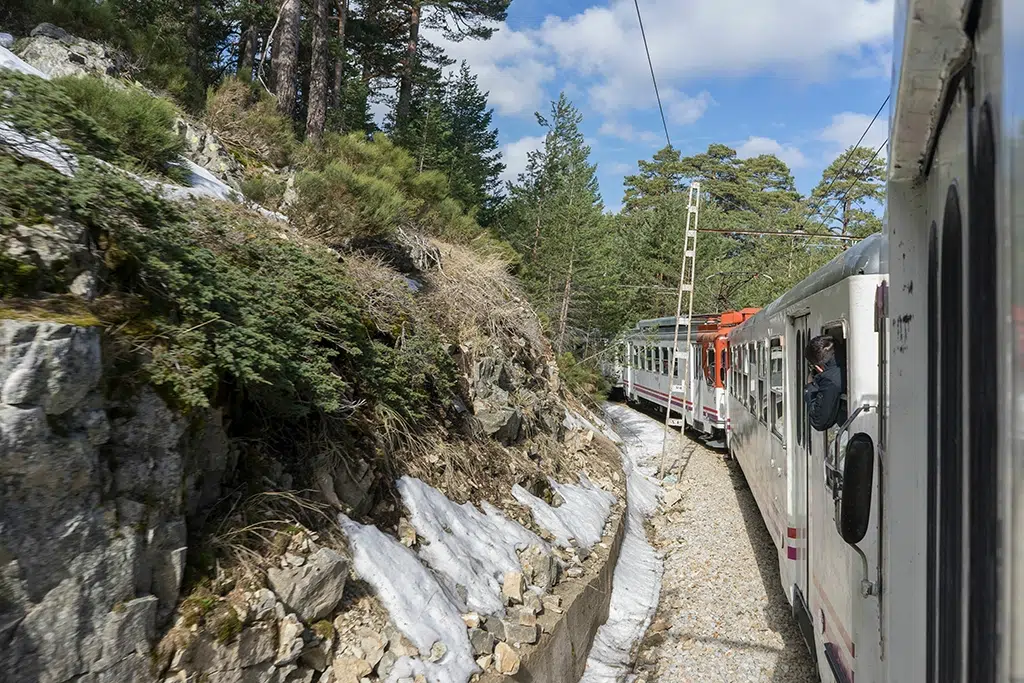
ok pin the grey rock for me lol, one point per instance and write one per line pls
(50, 365)
(387, 662)
(289, 640)
(130, 628)
(67, 55)
(254, 646)
(136, 668)
(50, 31)
(482, 642)
(60, 249)
(208, 463)
(500, 423)
(318, 655)
(144, 450)
(495, 626)
(6, 41)
(168, 573)
(263, 604)
(204, 148)
(540, 567)
(518, 634)
(313, 590)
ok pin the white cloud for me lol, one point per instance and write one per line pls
(755, 146)
(796, 38)
(514, 155)
(621, 168)
(684, 110)
(625, 131)
(511, 65)
(846, 128)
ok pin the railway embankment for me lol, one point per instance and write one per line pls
(255, 427)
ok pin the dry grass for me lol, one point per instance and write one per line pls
(475, 297)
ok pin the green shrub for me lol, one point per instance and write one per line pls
(142, 124)
(583, 379)
(266, 189)
(36, 107)
(247, 121)
(339, 202)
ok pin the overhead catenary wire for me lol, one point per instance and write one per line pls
(857, 178)
(849, 155)
(650, 64)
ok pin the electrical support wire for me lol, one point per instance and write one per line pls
(859, 177)
(651, 65)
(849, 156)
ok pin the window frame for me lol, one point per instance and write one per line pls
(777, 402)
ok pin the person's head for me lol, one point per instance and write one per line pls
(820, 350)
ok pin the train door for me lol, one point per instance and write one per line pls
(799, 548)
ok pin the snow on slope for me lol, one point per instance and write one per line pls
(417, 603)
(636, 584)
(471, 548)
(581, 517)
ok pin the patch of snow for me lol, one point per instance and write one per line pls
(470, 548)
(46, 149)
(581, 517)
(201, 179)
(417, 603)
(9, 60)
(636, 584)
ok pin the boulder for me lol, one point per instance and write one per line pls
(313, 590)
(482, 642)
(60, 250)
(57, 53)
(6, 41)
(500, 423)
(512, 588)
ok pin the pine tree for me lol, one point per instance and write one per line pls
(457, 19)
(846, 187)
(475, 162)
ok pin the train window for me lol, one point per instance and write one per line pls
(983, 408)
(798, 378)
(751, 382)
(710, 367)
(950, 502)
(664, 360)
(775, 382)
(762, 389)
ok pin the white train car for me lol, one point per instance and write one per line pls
(952, 461)
(901, 532)
(649, 371)
(784, 460)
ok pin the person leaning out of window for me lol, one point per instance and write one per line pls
(824, 389)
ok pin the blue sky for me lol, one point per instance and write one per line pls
(799, 78)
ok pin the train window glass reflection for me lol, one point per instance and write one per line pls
(775, 382)
(751, 382)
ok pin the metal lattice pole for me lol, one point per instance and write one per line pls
(687, 275)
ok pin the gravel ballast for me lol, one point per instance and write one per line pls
(723, 616)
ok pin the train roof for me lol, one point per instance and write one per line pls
(870, 256)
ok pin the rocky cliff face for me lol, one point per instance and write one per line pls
(107, 493)
(91, 507)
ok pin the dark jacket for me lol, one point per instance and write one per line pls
(823, 395)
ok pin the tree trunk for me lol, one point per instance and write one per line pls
(286, 57)
(409, 64)
(316, 114)
(339, 63)
(247, 53)
(563, 317)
